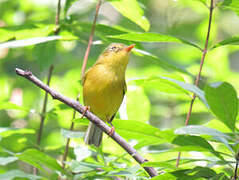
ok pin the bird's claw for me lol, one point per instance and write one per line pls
(112, 131)
(86, 109)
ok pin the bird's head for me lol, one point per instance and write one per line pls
(116, 54)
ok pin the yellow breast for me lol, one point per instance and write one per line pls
(103, 91)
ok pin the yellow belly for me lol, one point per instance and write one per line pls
(103, 92)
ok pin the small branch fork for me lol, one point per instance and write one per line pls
(204, 52)
(94, 119)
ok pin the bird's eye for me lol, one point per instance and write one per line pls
(113, 48)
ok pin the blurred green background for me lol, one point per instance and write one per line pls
(150, 98)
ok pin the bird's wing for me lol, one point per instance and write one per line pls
(124, 91)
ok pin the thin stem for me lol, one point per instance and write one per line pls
(200, 70)
(235, 172)
(68, 139)
(43, 114)
(87, 52)
(93, 118)
(57, 18)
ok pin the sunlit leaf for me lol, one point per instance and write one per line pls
(9, 105)
(14, 174)
(162, 164)
(222, 100)
(200, 130)
(38, 158)
(229, 41)
(78, 167)
(151, 37)
(71, 134)
(5, 160)
(28, 42)
(82, 152)
(25, 31)
(156, 60)
(142, 132)
(131, 10)
(172, 86)
(195, 173)
(231, 5)
(185, 141)
(68, 4)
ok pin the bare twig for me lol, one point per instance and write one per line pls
(90, 39)
(236, 168)
(94, 119)
(57, 18)
(200, 70)
(43, 114)
(68, 139)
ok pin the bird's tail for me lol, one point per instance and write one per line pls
(93, 135)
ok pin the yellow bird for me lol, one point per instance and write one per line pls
(104, 88)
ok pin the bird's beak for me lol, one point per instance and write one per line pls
(128, 48)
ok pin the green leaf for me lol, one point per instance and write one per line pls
(82, 121)
(194, 141)
(5, 132)
(169, 85)
(142, 132)
(28, 42)
(38, 158)
(68, 4)
(10, 105)
(229, 41)
(78, 167)
(71, 134)
(26, 31)
(197, 173)
(151, 37)
(162, 63)
(13, 136)
(223, 102)
(200, 130)
(231, 5)
(131, 10)
(162, 164)
(13, 174)
(6, 160)
(82, 152)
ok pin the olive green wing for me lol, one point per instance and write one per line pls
(124, 91)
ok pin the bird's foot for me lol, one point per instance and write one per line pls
(112, 131)
(86, 109)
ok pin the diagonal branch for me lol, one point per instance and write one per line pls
(94, 119)
(199, 73)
